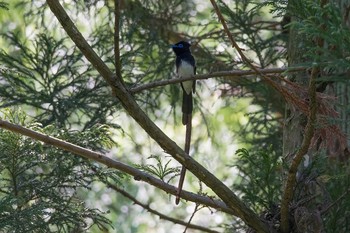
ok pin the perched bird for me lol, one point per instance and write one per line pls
(185, 68)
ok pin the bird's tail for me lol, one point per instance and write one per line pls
(187, 107)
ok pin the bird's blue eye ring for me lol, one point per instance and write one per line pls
(177, 46)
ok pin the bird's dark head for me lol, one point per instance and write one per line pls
(181, 47)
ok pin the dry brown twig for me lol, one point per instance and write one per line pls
(288, 95)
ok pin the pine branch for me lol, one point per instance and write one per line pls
(161, 216)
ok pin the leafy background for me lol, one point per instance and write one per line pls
(237, 124)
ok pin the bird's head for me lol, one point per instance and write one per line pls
(181, 47)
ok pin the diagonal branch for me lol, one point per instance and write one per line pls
(95, 156)
(126, 99)
(290, 97)
(229, 34)
(161, 216)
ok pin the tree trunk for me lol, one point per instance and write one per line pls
(310, 197)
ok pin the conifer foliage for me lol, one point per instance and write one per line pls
(90, 117)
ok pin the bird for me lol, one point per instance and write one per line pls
(185, 68)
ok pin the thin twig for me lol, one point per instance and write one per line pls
(161, 216)
(327, 208)
(196, 209)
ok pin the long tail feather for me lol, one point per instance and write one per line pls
(187, 150)
(187, 107)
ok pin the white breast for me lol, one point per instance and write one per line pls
(186, 70)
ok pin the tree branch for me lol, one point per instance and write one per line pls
(161, 216)
(95, 156)
(290, 97)
(226, 74)
(169, 146)
(228, 33)
(309, 132)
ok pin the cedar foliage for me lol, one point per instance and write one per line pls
(52, 82)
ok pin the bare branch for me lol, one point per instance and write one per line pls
(161, 216)
(225, 74)
(95, 156)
